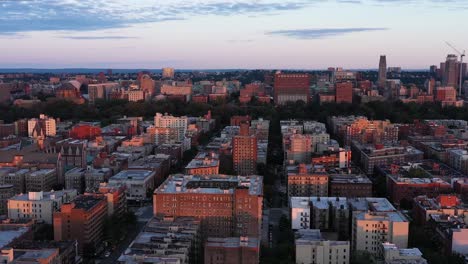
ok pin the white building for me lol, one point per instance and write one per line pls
(373, 220)
(38, 205)
(458, 159)
(312, 248)
(371, 229)
(391, 254)
(179, 124)
(43, 124)
(138, 183)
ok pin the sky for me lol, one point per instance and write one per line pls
(229, 34)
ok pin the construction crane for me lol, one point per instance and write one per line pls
(462, 54)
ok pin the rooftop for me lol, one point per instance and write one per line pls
(313, 236)
(44, 196)
(134, 175)
(36, 255)
(204, 159)
(87, 202)
(350, 178)
(233, 242)
(212, 184)
(6, 237)
(381, 216)
(363, 204)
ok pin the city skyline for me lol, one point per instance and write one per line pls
(241, 34)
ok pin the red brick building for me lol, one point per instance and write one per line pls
(334, 159)
(344, 92)
(402, 189)
(244, 151)
(326, 98)
(85, 131)
(7, 130)
(446, 94)
(81, 220)
(200, 98)
(232, 250)
(226, 205)
(116, 199)
(349, 186)
(291, 88)
(253, 89)
(238, 120)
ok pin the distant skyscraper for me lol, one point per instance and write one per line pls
(451, 71)
(382, 71)
(168, 73)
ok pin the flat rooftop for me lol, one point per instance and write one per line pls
(349, 178)
(313, 236)
(356, 204)
(87, 201)
(233, 242)
(135, 175)
(204, 160)
(36, 255)
(6, 237)
(382, 216)
(46, 196)
(211, 184)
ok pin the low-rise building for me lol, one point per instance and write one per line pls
(451, 232)
(160, 164)
(94, 177)
(74, 179)
(170, 240)
(403, 186)
(444, 204)
(226, 205)
(81, 220)
(204, 164)
(306, 180)
(324, 213)
(40, 180)
(232, 250)
(139, 183)
(391, 254)
(14, 177)
(116, 199)
(311, 247)
(349, 185)
(6, 192)
(39, 206)
(371, 156)
(338, 158)
(66, 250)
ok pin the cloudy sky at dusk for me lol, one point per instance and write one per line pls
(208, 34)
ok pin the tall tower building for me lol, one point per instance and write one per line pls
(451, 71)
(168, 73)
(382, 71)
(244, 151)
